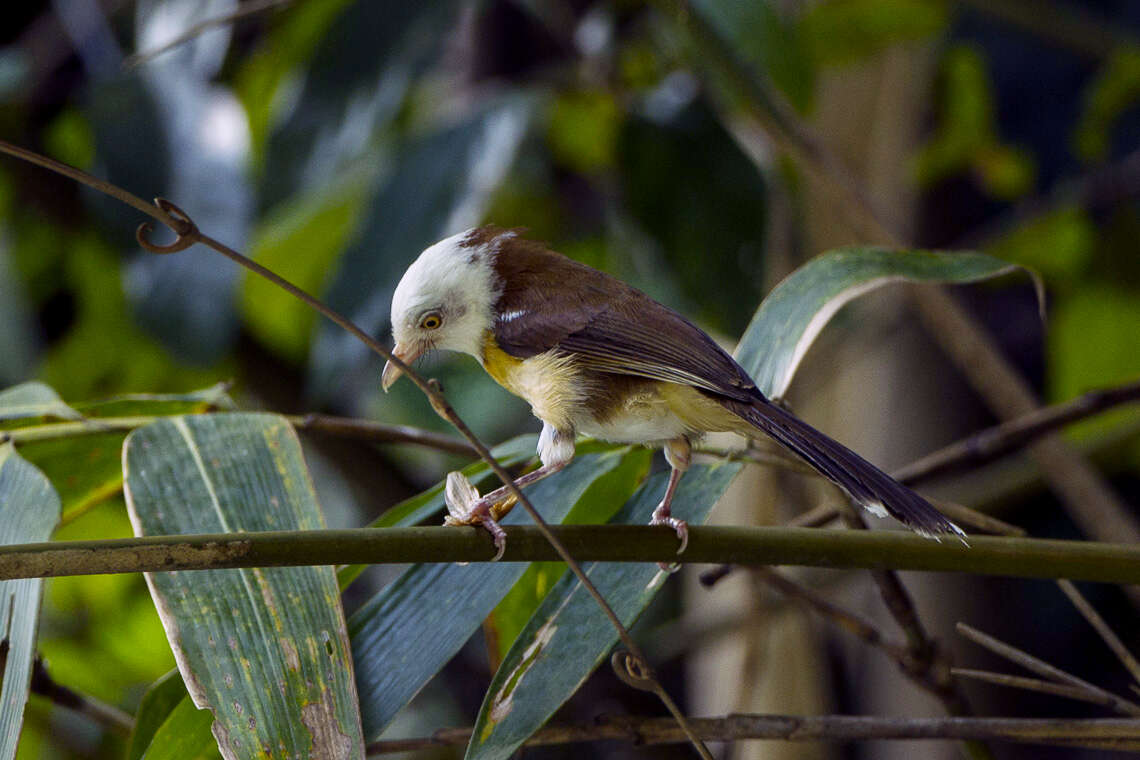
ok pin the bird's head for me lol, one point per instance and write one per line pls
(444, 301)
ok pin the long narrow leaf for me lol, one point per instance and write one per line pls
(101, 475)
(29, 402)
(264, 649)
(407, 632)
(154, 709)
(29, 511)
(795, 312)
(569, 635)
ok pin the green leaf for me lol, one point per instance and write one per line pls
(264, 649)
(300, 240)
(408, 631)
(100, 452)
(31, 403)
(846, 31)
(185, 735)
(156, 706)
(29, 511)
(582, 129)
(1116, 89)
(602, 499)
(159, 404)
(569, 635)
(790, 318)
(423, 505)
(966, 138)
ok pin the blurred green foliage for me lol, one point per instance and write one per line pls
(966, 137)
(848, 31)
(1115, 90)
(1058, 245)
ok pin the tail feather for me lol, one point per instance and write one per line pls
(869, 486)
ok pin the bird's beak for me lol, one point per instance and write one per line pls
(405, 353)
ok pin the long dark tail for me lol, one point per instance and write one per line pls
(870, 487)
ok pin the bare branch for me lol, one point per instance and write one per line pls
(1044, 687)
(1106, 633)
(1110, 733)
(1047, 671)
(997, 441)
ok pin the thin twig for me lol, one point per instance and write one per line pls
(1087, 497)
(188, 234)
(927, 664)
(1106, 633)
(1047, 671)
(1043, 686)
(842, 618)
(976, 521)
(250, 8)
(999, 440)
(1111, 733)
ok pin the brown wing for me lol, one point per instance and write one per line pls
(551, 301)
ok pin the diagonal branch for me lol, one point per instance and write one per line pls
(999, 440)
(1049, 672)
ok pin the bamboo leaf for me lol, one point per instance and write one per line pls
(794, 313)
(184, 735)
(56, 448)
(407, 632)
(29, 511)
(157, 704)
(264, 649)
(28, 403)
(569, 635)
(602, 499)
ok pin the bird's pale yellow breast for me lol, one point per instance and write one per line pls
(548, 382)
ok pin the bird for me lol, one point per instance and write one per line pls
(595, 356)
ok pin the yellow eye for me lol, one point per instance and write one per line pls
(431, 321)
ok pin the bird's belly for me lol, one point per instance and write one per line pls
(641, 423)
(646, 411)
(547, 382)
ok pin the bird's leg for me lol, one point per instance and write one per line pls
(465, 507)
(679, 454)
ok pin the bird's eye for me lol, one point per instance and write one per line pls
(431, 320)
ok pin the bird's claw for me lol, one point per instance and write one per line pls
(661, 516)
(465, 507)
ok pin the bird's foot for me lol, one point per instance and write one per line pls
(465, 507)
(662, 516)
